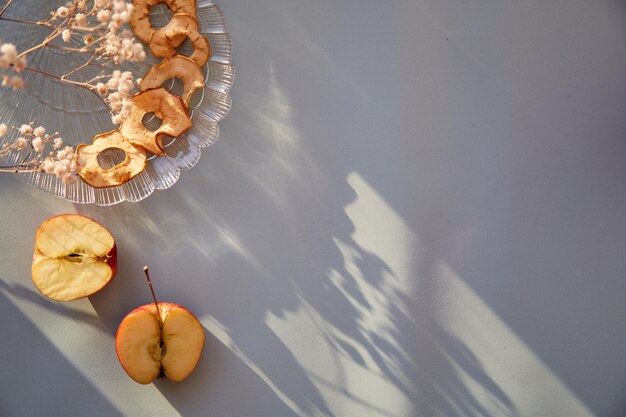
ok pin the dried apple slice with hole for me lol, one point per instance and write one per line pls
(165, 41)
(182, 6)
(169, 37)
(74, 257)
(169, 108)
(176, 67)
(140, 15)
(201, 48)
(96, 176)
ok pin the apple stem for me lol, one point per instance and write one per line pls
(156, 304)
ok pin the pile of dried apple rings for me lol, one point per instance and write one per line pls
(132, 137)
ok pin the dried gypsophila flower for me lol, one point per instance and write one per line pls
(107, 40)
(11, 61)
(61, 161)
(119, 89)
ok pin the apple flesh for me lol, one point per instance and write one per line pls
(74, 257)
(148, 348)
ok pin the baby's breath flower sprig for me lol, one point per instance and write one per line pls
(45, 152)
(95, 28)
(106, 40)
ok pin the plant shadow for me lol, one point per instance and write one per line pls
(260, 233)
(34, 378)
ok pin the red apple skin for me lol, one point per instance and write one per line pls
(111, 255)
(164, 309)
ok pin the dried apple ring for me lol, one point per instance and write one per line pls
(167, 107)
(182, 6)
(165, 40)
(140, 15)
(201, 48)
(96, 176)
(140, 20)
(175, 67)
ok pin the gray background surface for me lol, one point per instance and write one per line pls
(415, 208)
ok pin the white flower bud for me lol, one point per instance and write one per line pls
(48, 166)
(101, 88)
(124, 16)
(104, 16)
(9, 51)
(63, 12)
(66, 35)
(39, 131)
(21, 143)
(37, 144)
(81, 19)
(119, 5)
(25, 129)
(124, 89)
(59, 170)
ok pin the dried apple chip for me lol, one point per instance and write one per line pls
(140, 20)
(176, 67)
(165, 40)
(201, 48)
(140, 15)
(96, 176)
(182, 6)
(162, 48)
(169, 108)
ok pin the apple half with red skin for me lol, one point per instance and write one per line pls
(149, 348)
(74, 257)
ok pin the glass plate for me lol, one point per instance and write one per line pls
(79, 115)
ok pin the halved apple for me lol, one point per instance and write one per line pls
(149, 348)
(74, 257)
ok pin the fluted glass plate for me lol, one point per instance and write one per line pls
(79, 115)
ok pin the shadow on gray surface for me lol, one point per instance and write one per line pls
(34, 378)
(258, 230)
(32, 296)
(253, 358)
(525, 213)
(236, 278)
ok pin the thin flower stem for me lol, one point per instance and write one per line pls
(6, 6)
(55, 33)
(87, 29)
(25, 159)
(76, 83)
(32, 166)
(18, 170)
(28, 22)
(84, 49)
(98, 77)
(63, 77)
(66, 48)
